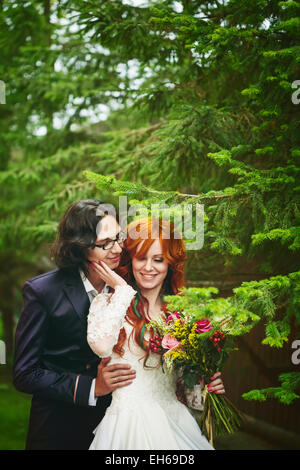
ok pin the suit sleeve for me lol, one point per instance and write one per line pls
(29, 376)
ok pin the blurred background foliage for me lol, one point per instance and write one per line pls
(176, 102)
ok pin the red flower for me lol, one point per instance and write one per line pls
(203, 326)
(170, 318)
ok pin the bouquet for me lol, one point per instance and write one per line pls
(195, 337)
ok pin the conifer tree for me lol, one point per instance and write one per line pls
(206, 113)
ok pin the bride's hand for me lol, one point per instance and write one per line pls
(216, 385)
(108, 275)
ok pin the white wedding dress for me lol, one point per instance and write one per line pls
(145, 415)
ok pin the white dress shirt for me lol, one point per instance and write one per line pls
(91, 292)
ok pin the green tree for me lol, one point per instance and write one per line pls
(204, 115)
(243, 60)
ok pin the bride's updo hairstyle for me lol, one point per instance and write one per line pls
(147, 230)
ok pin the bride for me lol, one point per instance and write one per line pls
(146, 414)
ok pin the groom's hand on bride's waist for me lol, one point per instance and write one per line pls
(111, 377)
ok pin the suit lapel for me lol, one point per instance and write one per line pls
(77, 295)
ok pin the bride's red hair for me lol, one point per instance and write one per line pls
(147, 230)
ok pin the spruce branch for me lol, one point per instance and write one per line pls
(120, 187)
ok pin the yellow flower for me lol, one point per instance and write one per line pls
(178, 353)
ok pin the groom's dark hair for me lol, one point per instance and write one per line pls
(77, 232)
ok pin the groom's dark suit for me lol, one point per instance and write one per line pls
(55, 364)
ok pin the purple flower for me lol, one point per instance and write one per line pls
(203, 326)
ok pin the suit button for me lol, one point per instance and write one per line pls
(88, 366)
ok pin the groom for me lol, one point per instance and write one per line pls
(53, 361)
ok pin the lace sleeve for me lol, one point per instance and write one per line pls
(106, 318)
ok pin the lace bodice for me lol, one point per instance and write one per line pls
(105, 319)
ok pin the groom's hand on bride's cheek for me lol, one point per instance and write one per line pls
(111, 377)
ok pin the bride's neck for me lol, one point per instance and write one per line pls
(154, 300)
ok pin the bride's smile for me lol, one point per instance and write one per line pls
(150, 269)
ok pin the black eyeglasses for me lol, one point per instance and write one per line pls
(120, 238)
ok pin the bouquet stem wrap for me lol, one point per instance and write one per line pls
(218, 416)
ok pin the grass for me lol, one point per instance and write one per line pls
(14, 415)
(14, 409)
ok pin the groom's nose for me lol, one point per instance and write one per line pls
(116, 248)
